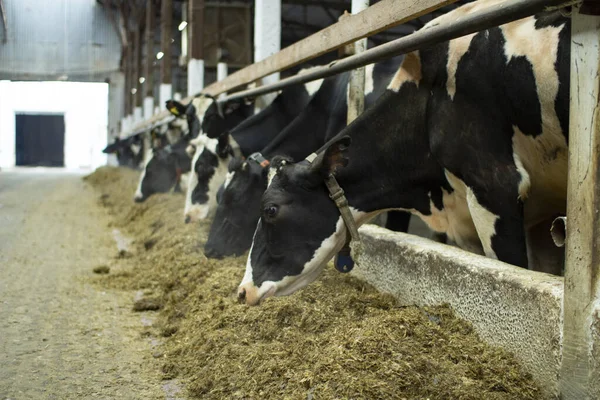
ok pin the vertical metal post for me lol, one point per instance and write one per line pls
(356, 88)
(195, 28)
(128, 74)
(148, 65)
(166, 25)
(582, 268)
(137, 68)
(267, 37)
(222, 72)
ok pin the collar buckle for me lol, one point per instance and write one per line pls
(259, 159)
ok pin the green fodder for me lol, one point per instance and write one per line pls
(338, 338)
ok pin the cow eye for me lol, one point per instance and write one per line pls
(271, 211)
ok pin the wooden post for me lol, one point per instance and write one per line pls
(582, 267)
(148, 65)
(166, 22)
(195, 31)
(356, 89)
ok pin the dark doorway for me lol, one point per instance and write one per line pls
(40, 139)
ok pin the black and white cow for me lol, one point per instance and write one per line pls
(192, 112)
(164, 169)
(129, 151)
(221, 117)
(471, 136)
(171, 157)
(212, 155)
(166, 160)
(325, 116)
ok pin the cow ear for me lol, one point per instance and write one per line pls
(333, 157)
(175, 108)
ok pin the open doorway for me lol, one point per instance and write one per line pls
(40, 140)
(79, 110)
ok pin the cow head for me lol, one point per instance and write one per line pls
(163, 169)
(300, 228)
(219, 118)
(208, 170)
(129, 151)
(238, 209)
(192, 112)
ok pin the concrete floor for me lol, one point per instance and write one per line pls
(61, 337)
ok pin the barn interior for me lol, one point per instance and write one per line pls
(107, 291)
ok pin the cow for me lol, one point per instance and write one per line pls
(164, 169)
(192, 112)
(221, 117)
(171, 156)
(471, 136)
(239, 208)
(167, 162)
(129, 151)
(212, 154)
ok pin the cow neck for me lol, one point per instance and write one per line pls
(390, 163)
(258, 131)
(322, 118)
(344, 259)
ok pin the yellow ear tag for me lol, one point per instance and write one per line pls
(174, 111)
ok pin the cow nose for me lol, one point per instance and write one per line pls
(188, 219)
(241, 295)
(210, 252)
(248, 292)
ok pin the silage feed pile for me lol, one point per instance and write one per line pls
(337, 339)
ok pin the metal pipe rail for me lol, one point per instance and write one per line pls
(496, 15)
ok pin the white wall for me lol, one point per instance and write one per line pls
(85, 106)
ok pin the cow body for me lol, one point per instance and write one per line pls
(471, 136)
(213, 154)
(324, 117)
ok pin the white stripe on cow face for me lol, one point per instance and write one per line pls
(190, 212)
(201, 104)
(139, 196)
(271, 175)
(228, 179)
(194, 212)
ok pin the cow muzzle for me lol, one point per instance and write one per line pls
(252, 295)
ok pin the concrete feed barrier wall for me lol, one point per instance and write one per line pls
(510, 307)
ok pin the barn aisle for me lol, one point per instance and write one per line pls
(60, 337)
